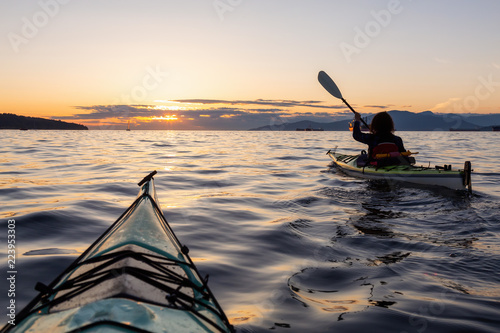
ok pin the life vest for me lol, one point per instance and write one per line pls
(389, 148)
(387, 153)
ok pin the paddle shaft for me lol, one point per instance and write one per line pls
(350, 107)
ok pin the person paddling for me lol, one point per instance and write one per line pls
(381, 140)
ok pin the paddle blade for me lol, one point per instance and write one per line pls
(329, 85)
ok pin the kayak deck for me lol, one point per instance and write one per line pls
(453, 179)
(136, 277)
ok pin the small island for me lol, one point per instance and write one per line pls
(12, 121)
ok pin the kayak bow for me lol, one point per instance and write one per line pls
(136, 277)
(453, 179)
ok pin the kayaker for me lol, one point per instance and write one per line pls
(381, 139)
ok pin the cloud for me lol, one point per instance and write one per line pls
(278, 103)
(445, 106)
(207, 113)
(113, 111)
(378, 106)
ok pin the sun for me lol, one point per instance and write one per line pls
(166, 117)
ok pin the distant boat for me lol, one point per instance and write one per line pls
(128, 127)
(477, 129)
(23, 129)
(309, 129)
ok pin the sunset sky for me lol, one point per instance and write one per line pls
(216, 64)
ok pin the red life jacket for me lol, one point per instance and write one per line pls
(386, 148)
(390, 149)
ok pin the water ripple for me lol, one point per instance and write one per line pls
(290, 243)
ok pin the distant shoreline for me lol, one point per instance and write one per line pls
(9, 121)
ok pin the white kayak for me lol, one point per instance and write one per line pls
(435, 176)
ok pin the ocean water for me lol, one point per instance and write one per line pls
(290, 243)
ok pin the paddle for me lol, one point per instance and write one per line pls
(332, 88)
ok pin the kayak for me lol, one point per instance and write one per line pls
(136, 277)
(437, 176)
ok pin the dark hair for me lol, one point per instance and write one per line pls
(382, 124)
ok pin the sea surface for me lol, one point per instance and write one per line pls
(290, 243)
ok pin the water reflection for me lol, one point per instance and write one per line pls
(289, 244)
(336, 290)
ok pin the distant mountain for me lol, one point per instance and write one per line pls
(405, 121)
(491, 119)
(428, 121)
(12, 121)
(340, 125)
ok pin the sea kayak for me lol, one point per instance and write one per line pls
(436, 176)
(136, 277)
